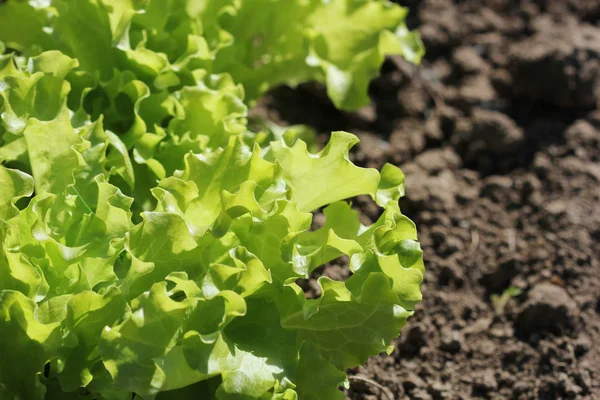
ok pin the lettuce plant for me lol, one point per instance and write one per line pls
(151, 242)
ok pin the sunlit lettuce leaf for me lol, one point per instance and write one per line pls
(54, 158)
(303, 171)
(151, 241)
(232, 292)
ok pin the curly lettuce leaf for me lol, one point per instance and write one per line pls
(26, 347)
(15, 185)
(151, 242)
(340, 42)
(311, 177)
(221, 295)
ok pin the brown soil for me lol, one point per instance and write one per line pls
(498, 132)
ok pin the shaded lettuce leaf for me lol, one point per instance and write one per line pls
(87, 314)
(22, 27)
(340, 42)
(27, 346)
(15, 185)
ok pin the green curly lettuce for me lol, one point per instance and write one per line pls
(151, 242)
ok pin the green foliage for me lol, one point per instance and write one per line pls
(151, 242)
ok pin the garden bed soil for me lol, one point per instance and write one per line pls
(498, 133)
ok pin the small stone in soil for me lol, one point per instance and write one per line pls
(548, 308)
(439, 390)
(412, 381)
(487, 347)
(521, 387)
(469, 62)
(568, 386)
(479, 326)
(434, 161)
(496, 187)
(582, 345)
(485, 381)
(421, 394)
(452, 341)
(476, 90)
(500, 133)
